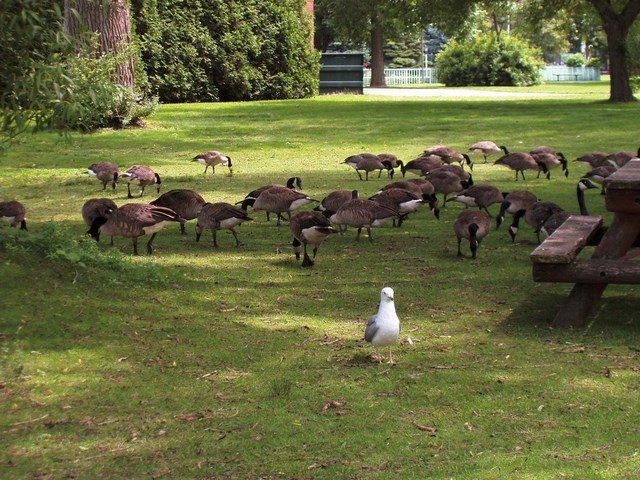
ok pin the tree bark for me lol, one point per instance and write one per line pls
(616, 27)
(377, 52)
(110, 19)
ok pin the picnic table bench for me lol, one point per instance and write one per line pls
(555, 259)
(575, 76)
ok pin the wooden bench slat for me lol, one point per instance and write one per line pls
(563, 245)
(618, 271)
(627, 177)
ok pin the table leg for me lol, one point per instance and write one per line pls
(614, 244)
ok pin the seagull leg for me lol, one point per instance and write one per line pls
(390, 357)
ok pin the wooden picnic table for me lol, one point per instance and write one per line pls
(555, 259)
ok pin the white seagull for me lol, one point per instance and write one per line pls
(383, 328)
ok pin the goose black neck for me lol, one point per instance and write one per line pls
(94, 230)
(581, 202)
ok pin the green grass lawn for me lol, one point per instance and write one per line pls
(203, 363)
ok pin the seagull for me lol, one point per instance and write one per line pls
(383, 328)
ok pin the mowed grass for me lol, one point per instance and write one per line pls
(203, 363)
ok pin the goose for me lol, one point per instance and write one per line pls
(360, 213)
(514, 202)
(97, 207)
(619, 159)
(554, 221)
(105, 172)
(280, 199)
(141, 175)
(481, 196)
(220, 216)
(543, 149)
(402, 201)
(309, 228)
(133, 220)
(335, 200)
(368, 162)
(185, 203)
(383, 328)
(213, 158)
(390, 159)
(535, 216)
(472, 225)
(487, 148)
(551, 161)
(294, 183)
(449, 155)
(520, 161)
(419, 187)
(583, 185)
(421, 166)
(446, 182)
(598, 175)
(456, 169)
(14, 213)
(593, 159)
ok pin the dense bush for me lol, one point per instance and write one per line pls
(576, 60)
(489, 61)
(197, 50)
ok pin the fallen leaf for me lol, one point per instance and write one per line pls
(332, 404)
(425, 428)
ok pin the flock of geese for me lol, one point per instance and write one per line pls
(439, 169)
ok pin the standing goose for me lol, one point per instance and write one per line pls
(220, 216)
(389, 159)
(543, 149)
(421, 166)
(481, 196)
(534, 216)
(360, 213)
(97, 207)
(520, 161)
(472, 225)
(294, 183)
(185, 203)
(333, 201)
(514, 202)
(105, 172)
(449, 155)
(14, 213)
(142, 176)
(133, 220)
(551, 161)
(213, 158)
(368, 162)
(598, 175)
(593, 159)
(309, 228)
(281, 199)
(486, 149)
(446, 182)
(583, 185)
(402, 201)
(456, 169)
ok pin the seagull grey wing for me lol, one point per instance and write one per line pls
(371, 330)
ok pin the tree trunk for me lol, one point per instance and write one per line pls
(111, 21)
(377, 52)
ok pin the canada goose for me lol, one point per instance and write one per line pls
(336, 199)
(14, 213)
(105, 172)
(446, 182)
(220, 216)
(390, 159)
(514, 202)
(134, 220)
(213, 158)
(520, 161)
(551, 161)
(449, 155)
(487, 148)
(535, 216)
(419, 187)
(554, 221)
(472, 225)
(593, 159)
(421, 166)
(309, 228)
(185, 203)
(368, 162)
(141, 175)
(97, 207)
(598, 175)
(456, 169)
(620, 159)
(402, 201)
(294, 183)
(360, 213)
(583, 185)
(480, 196)
(543, 149)
(280, 199)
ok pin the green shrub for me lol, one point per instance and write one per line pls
(576, 60)
(489, 61)
(593, 62)
(635, 83)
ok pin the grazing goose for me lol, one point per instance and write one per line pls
(97, 207)
(551, 161)
(598, 175)
(185, 203)
(554, 221)
(368, 162)
(134, 220)
(535, 216)
(281, 199)
(335, 200)
(419, 187)
(449, 155)
(220, 216)
(456, 169)
(620, 159)
(360, 213)
(446, 182)
(421, 166)
(583, 185)
(520, 161)
(402, 201)
(487, 148)
(480, 196)
(594, 159)
(294, 183)
(543, 149)
(14, 213)
(105, 172)
(383, 328)
(514, 202)
(213, 158)
(309, 228)
(472, 225)
(142, 176)
(390, 159)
